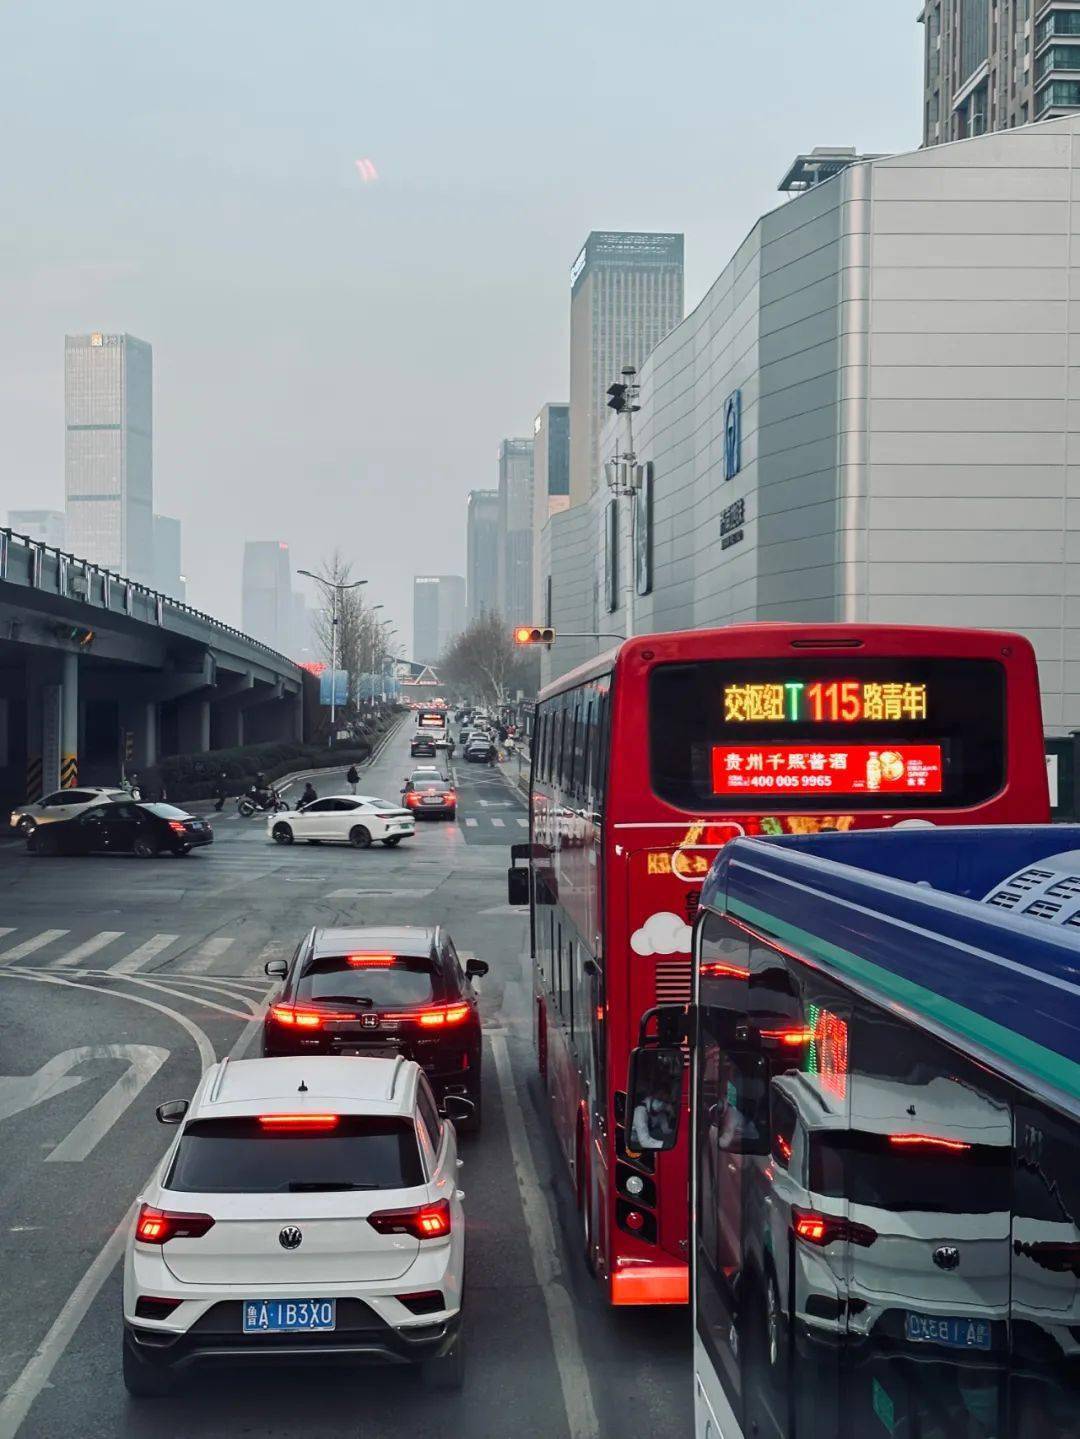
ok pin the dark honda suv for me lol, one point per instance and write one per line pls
(383, 992)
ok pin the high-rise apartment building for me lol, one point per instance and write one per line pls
(168, 568)
(45, 525)
(267, 597)
(108, 464)
(515, 550)
(626, 293)
(996, 64)
(551, 483)
(438, 615)
(482, 563)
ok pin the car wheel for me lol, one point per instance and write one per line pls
(27, 826)
(359, 837)
(144, 848)
(181, 850)
(282, 834)
(445, 1375)
(144, 1380)
(393, 840)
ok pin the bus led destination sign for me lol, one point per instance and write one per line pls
(831, 769)
(824, 702)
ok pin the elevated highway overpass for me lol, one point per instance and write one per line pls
(96, 668)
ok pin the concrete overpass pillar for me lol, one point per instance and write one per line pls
(227, 728)
(69, 720)
(193, 722)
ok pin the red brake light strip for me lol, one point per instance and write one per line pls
(928, 1141)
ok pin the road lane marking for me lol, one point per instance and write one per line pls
(523, 822)
(28, 946)
(207, 952)
(38, 1369)
(499, 823)
(142, 954)
(144, 1061)
(6, 929)
(472, 823)
(581, 1418)
(88, 947)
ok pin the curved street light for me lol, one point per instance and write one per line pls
(337, 587)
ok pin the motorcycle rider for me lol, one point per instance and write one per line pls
(310, 794)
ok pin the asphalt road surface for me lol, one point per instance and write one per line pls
(121, 978)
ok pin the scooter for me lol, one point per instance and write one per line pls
(265, 800)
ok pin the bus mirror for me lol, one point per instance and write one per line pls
(654, 1097)
(517, 886)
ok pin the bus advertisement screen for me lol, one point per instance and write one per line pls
(830, 769)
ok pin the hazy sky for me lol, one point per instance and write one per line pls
(335, 362)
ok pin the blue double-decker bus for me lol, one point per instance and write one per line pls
(885, 1112)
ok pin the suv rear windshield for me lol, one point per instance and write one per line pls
(404, 980)
(866, 1169)
(237, 1156)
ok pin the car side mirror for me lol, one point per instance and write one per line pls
(476, 968)
(456, 1106)
(276, 968)
(654, 1097)
(172, 1111)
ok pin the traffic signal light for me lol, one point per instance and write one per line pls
(76, 634)
(618, 398)
(534, 635)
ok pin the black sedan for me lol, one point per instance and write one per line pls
(383, 992)
(123, 827)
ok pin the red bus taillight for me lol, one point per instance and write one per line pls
(158, 1226)
(427, 1221)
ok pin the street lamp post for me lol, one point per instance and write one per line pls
(622, 478)
(336, 588)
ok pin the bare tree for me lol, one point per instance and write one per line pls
(485, 664)
(351, 623)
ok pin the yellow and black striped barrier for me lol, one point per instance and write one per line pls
(69, 771)
(34, 787)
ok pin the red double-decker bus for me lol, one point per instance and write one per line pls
(645, 763)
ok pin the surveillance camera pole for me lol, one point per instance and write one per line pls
(627, 488)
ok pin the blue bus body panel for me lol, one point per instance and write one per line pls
(998, 984)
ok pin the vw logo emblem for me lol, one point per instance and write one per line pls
(369, 1021)
(290, 1237)
(947, 1256)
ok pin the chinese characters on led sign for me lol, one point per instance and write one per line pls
(828, 769)
(833, 701)
(827, 1056)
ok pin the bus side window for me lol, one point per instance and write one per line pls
(603, 745)
(539, 736)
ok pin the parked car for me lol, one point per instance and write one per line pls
(61, 804)
(307, 1209)
(356, 819)
(123, 827)
(391, 990)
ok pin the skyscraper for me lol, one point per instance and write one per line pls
(168, 567)
(108, 465)
(626, 293)
(438, 615)
(551, 481)
(482, 564)
(991, 66)
(515, 530)
(267, 600)
(44, 525)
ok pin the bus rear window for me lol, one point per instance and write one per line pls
(844, 734)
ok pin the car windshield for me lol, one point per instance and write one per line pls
(376, 979)
(238, 1156)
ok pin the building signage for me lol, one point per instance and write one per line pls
(731, 524)
(826, 769)
(733, 434)
(643, 529)
(576, 269)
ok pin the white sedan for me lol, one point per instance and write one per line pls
(356, 819)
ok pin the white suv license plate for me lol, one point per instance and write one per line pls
(288, 1316)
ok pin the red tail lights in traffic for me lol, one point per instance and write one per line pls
(426, 1221)
(158, 1226)
(825, 1229)
(927, 1141)
(298, 1123)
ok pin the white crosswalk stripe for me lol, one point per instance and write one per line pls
(143, 953)
(207, 952)
(524, 823)
(29, 946)
(471, 823)
(499, 824)
(86, 949)
(6, 929)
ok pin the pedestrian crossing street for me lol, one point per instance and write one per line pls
(121, 953)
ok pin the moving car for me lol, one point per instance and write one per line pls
(308, 1208)
(383, 991)
(480, 749)
(123, 827)
(61, 804)
(428, 793)
(356, 819)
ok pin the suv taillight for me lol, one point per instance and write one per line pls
(825, 1229)
(297, 1018)
(426, 1221)
(158, 1226)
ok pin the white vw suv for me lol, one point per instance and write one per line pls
(307, 1209)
